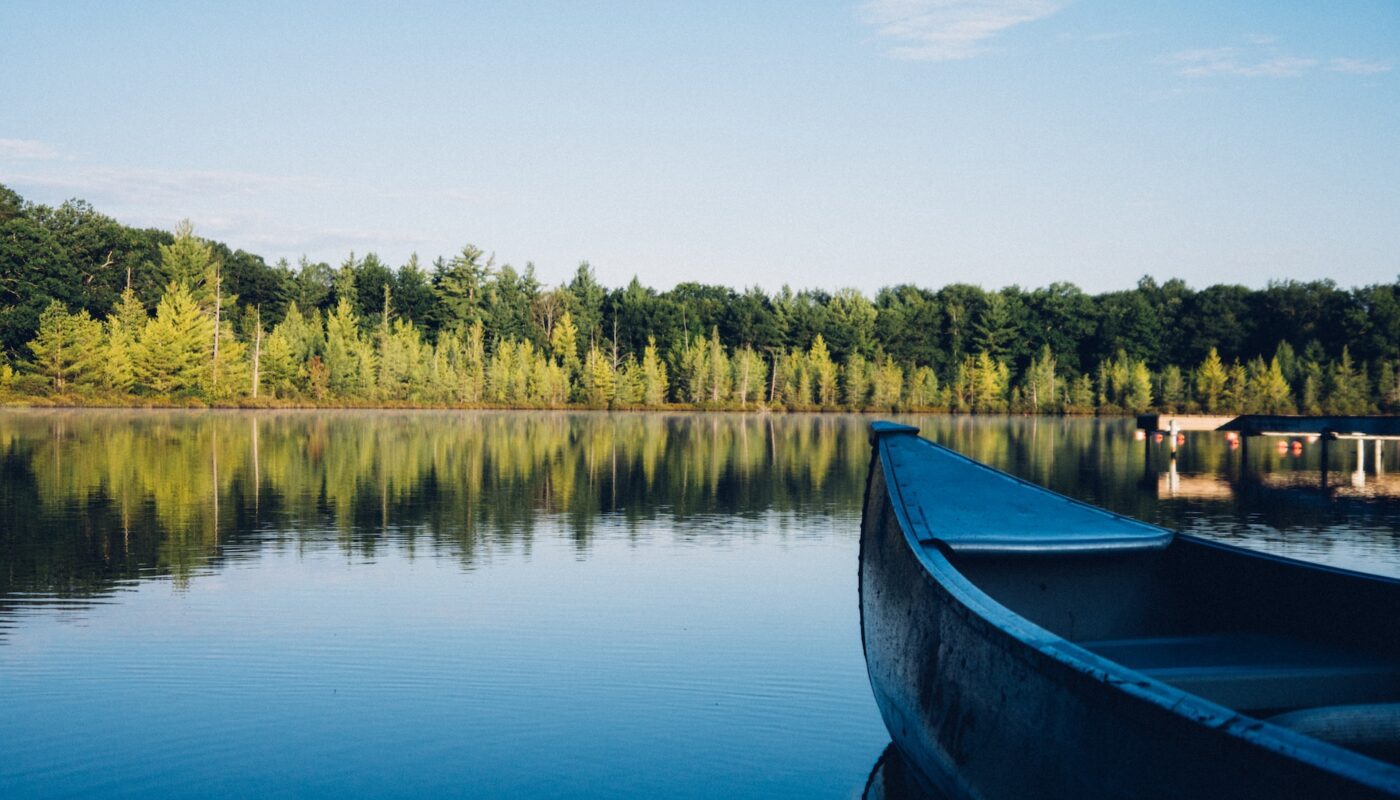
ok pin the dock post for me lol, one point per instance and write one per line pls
(1380, 463)
(1323, 440)
(1172, 430)
(1358, 478)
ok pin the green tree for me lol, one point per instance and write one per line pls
(188, 261)
(1269, 392)
(923, 389)
(1041, 390)
(563, 343)
(1211, 379)
(1173, 389)
(719, 373)
(856, 379)
(599, 379)
(1138, 397)
(823, 371)
(1081, 396)
(1348, 390)
(887, 386)
(750, 376)
(349, 359)
(654, 383)
(67, 348)
(176, 346)
(1236, 389)
(279, 370)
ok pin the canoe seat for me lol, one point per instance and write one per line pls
(1372, 729)
(1255, 672)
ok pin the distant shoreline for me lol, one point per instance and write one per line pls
(250, 404)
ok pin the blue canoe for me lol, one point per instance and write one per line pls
(1023, 644)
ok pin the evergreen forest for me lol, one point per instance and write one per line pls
(93, 312)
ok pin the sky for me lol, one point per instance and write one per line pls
(810, 143)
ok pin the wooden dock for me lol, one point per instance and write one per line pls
(1326, 426)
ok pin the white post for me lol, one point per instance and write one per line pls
(1358, 478)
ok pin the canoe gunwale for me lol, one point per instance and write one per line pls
(1023, 641)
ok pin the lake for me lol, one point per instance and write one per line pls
(346, 603)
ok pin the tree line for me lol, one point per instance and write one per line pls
(92, 311)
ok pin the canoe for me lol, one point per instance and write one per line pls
(1023, 644)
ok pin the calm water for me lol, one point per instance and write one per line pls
(511, 604)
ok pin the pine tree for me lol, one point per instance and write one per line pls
(695, 369)
(750, 376)
(67, 347)
(499, 370)
(230, 365)
(473, 367)
(631, 384)
(654, 383)
(188, 261)
(1081, 395)
(1211, 379)
(856, 379)
(1041, 384)
(279, 370)
(887, 388)
(990, 381)
(823, 371)
(1236, 389)
(123, 326)
(563, 344)
(1173, 389)
(599, 379)
(1312, 388)
(1388, 387)
(794, 381)
(348, 362)
(923, 389)
(1139, 394)
(1271, 387)
(174, 349)
(1348, 390)
(718, 372)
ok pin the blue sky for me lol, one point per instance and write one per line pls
(821, 144)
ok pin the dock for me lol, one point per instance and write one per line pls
(1323, 427)
(1328, 426)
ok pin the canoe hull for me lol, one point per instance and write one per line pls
(984, 707)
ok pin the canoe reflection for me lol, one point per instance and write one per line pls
(892, 779)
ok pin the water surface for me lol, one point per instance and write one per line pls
(514, 603)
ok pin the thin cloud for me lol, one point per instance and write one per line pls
(230, 205)
(1260, 60)
(27, 150)
(1107, 36)
(1355, 66)
(140, 184)
(949, 30)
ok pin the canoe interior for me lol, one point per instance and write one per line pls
(1261, 635)
(1124, 666)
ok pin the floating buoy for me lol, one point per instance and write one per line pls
(1157, 437)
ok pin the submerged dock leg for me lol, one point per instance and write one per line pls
(1380, 463)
